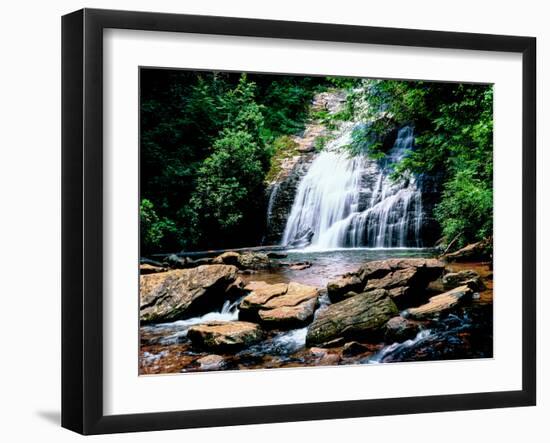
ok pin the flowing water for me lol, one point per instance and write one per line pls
(350, 201)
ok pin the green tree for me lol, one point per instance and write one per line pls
(454, 142)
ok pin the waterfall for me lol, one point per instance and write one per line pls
(350, 201)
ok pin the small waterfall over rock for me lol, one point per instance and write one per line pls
(350, 201)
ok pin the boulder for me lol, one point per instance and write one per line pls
(279, 306)
(183, 293)
(482, 250)
(324, 357)
(466, 277)
(431, 268)
(211, 363)
(441, 303)
(399, 329)
(300, 266)
(402, 277)
(360, 317)
(288, 316)
(227, 258)
(337, 289)
(254, 260)
(175, 262)
(261, 294)
(225, 336)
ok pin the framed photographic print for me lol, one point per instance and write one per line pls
(269, 221)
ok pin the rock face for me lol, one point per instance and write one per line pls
(227, 336)
(400, 277)
(441, 303)
(281, 195)
(182, 293)
(279, 306)
(468, 277)
(399, 329)
(359, 317)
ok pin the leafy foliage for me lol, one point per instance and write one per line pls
(454, 127)
(207, 139)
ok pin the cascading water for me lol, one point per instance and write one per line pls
(350, 201)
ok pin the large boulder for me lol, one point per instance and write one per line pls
(279, 306)
(430, 267)
(404, 278)
(337, 289)
(225, 336)
(183, 293)
(254, 260)
(362, 316)
(441, 303)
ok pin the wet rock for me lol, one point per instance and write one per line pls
(353, 348)
(255, 284)
(150, 269)
(211, 363)
(254, 260)
(399, 293)
(235, 289)
(229, 336)
(429, 268)
(324, 357)
(482, 250)
(362, 316)
(441, 303)
(337, 289)
(261, 294)
(227, 258)
(401, 277)
(247, 260)
(466, 277)
(288, 316)
(279, 306)
(175, 262)
(399, 329)
(182, 293)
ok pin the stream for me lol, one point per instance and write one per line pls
(467, 333)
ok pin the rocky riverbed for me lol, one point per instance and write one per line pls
(244, 311)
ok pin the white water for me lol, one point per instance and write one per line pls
(378, 357)
(346, 201)
(178, 329)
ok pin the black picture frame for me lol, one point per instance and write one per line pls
(82, 220)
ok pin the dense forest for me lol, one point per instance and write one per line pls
(209, 141)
